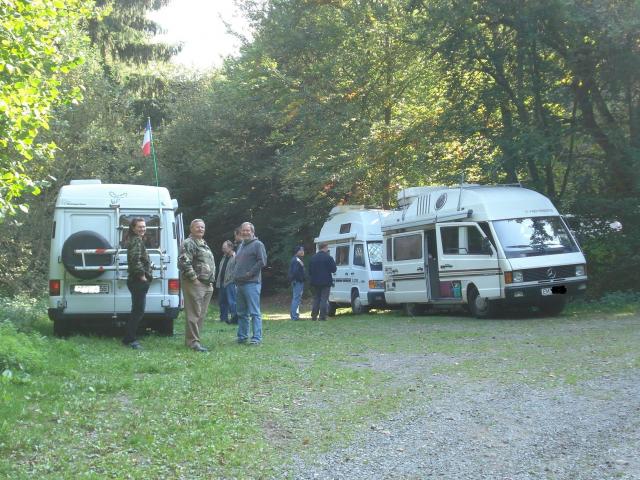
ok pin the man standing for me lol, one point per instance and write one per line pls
(198, 270)
(225, 285)
(321, 267)
(296, 277)
(251, 258)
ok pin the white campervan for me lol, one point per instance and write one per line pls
(88, 258)
(355, 242)
(480, 246)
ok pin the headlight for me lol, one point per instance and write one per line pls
(581, 270)
(517, 277)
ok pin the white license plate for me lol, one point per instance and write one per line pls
(546, 291)
(91, 289)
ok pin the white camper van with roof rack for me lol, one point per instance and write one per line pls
(88, 257)
(480, 246)
(355, 242)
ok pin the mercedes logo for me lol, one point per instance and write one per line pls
(551, 273)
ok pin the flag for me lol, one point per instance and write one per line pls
(146, 142)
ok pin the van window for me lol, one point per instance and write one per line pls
(408, 247)
(528, 237)
(345, 228)
(151, 238)
(466, 240)
(375, 256)
(389, 251)
(342, 255)
(358, 255)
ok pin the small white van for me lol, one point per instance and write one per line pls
(355, 242)
(480, 246)
(88, 257)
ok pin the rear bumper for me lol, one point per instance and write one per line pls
(57, 314)
(533, 294)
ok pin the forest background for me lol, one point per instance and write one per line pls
(330, 102)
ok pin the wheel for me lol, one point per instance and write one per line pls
(333, 306)
(552, 307)
(85, 239)
(410, 309)
(356, 304)
(165, 327)
(61, 327)
(480, 307)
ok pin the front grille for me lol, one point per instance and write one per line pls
(540, 274)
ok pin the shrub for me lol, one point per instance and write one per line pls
(20, 353)
(21, 310)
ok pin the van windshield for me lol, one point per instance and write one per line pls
(375, 255)
(529, 237)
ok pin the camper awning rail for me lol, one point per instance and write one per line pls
(430, 219)
(335, 238)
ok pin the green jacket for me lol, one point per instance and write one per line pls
(197, 261)
(138, 262)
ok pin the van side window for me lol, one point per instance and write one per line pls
(151, 238)
(408, 247)
(342, 255)
(487, 231)
(358, 255)
(345, 228)
(465, 240)
(389, 251)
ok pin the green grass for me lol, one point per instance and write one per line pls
(90, 408)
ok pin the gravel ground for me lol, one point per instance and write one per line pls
(487, 431)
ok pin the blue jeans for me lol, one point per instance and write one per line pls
(227, 302)
(248, 304)
(298, 288)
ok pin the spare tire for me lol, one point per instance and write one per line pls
(85, 239)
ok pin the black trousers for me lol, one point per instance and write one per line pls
(320, 301)
(138, 291)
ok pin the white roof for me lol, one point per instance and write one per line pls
(364, 224)
(486, 203)
(90, 194)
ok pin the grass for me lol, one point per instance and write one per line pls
(90, 408)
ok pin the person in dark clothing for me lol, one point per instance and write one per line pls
(139, 279)
(225, 285)
(321, 267)
(296, 278)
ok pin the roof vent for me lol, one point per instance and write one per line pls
(88, 181)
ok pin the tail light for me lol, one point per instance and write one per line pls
(174, 286)
(379, 284)
(54, 288)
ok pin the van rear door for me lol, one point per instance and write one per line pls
(407, 275)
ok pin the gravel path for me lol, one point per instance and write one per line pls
(487, 431)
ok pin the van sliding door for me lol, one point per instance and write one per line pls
(408, 272)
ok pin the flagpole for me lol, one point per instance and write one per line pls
(153, 151)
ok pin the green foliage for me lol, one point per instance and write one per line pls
(22, 311)
(38, 46)
(20, 353)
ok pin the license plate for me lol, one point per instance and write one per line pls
(546, 291)
(91, 289)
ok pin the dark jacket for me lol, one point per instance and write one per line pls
(296, 270)
(321, 266)
(250, 260)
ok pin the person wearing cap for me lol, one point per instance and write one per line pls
(296, 277)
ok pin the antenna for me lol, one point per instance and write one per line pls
(461, 184)
(404, 202)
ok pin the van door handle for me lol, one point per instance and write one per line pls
(446, 265)
(420, 269)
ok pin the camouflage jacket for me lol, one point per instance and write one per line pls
(138, 262)
(196, 261)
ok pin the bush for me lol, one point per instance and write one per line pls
(20, 353)
(22, 311)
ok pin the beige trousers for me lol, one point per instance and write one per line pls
(196, 302)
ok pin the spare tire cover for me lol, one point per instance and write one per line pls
(85, 239)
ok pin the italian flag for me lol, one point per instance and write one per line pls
(146, 141)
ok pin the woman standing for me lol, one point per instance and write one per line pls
(139, 269)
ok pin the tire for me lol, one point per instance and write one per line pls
(85, 239)
(552, 308)
(165, 327)
(410, 309)
(333, 306)
(478, 306)
(61, 327)
(356, 304)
